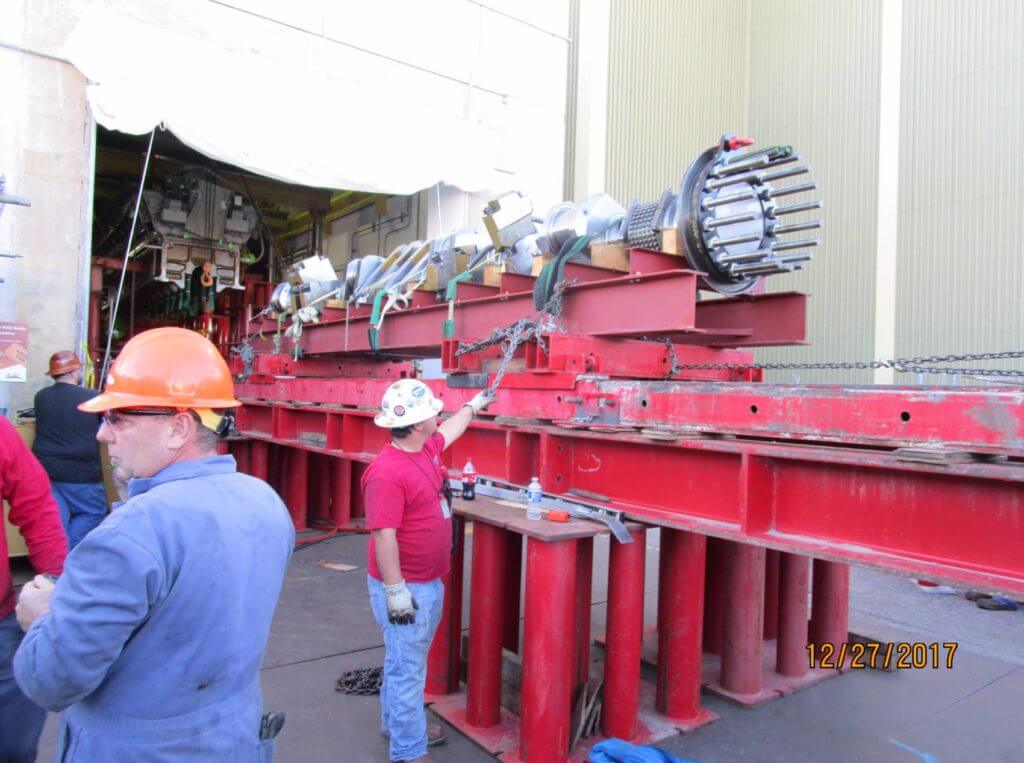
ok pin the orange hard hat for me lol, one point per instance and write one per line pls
(166, 368)
(63, 362)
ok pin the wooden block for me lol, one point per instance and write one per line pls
(610, 256)
(337, 304)
(492, 275)
(671, 242)
(538, 265)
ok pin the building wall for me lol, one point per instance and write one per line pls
(906, 111)
(814, 84)
(677, 76)
(46, 145)
(960, 285)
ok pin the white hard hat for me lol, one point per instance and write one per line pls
(407, 402)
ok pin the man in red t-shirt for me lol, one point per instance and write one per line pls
(26, 488)
(409, 552)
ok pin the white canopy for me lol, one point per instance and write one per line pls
(274, 98)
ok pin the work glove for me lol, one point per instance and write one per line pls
(401, 604)
(481, 400)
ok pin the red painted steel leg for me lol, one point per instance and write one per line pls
(240, 450)
(771, 594)
(714, 590)
(680, 622)
(443, 659)
(830, 604)
(584, 580)
(625, 631)
(297, 486)
(324, 483)
(486, 625)
(548, 667)
(743, 622)
(794, 579)
(341, 491)
(259, 460)
(513, 579)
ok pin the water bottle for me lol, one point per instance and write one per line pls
(468, 481)
(534, 496)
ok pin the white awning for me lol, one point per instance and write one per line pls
(280, 101)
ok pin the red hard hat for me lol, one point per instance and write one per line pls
(63, 362)
(166, 368)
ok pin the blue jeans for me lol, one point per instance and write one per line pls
(21, 720)
(405, 666)
(83, 505)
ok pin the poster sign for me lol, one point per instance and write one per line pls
(13, 352)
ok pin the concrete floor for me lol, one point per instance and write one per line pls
(323, 627)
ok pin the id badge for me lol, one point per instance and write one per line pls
(446, 510)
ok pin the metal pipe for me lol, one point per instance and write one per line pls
(443, 659)
(341, 492)
(794, 258)
(771, 594)
(794, 585)
(486, 626)
(794, 208)
(830, 605)
(719, 201)
(725, 259)
(717, 243)
(725, 169)
(781, 230)
(717, 222)
(767, 177)
(785, 246)
(624, 634)
(297, 486)
(741, 636)
(584, 580)
(680, 622)
(259, 462)
(756, 267)
(548, 670)
(774, 193)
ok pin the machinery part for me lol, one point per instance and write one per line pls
(728, 217)
(192, 203)
(610, 518)
(309, 280)
(451, 255)
(594, 216)
(509, 218)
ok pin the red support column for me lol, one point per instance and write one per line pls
(341, 491)
(321, 466)
(259, 462)
(240, 450)
(297, 485)
(443, 663)
(584, 580)
(680, 623)
(794, 579)
(624, 635)
(513, 580)
(743, 622)
(548, 669)
(486, 625)
(830, 604)
(771, 594)
(714, 590)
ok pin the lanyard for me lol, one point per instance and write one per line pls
(440, 488)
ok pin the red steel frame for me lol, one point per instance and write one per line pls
(746, 481)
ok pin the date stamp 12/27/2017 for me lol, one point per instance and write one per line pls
(898, 655)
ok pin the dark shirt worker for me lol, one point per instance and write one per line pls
(66, 446)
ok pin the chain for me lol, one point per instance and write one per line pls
(914, 365)
(523, 330)
(364, 681)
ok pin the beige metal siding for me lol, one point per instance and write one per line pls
(676, 81)
(961, 264)
(571, 95)
(814, 83)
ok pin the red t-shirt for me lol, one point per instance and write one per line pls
(402, 491)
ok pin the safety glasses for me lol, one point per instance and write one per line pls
(115, 417)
